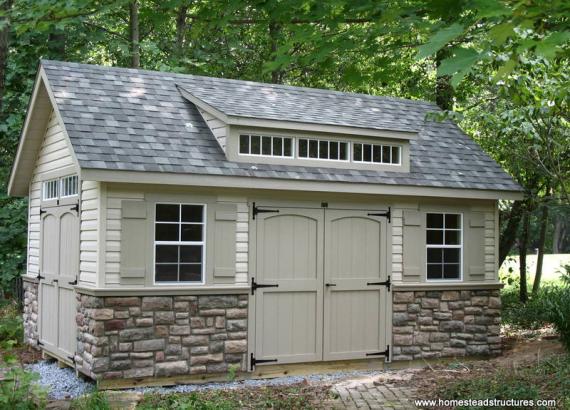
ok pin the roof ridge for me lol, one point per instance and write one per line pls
(293, 88)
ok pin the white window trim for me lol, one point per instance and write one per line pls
(202, 243)
(460, 246)
(61, 186)
(292, 156)
(397, 164)
(348, 150)
(44, 189)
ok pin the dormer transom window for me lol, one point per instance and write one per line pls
(375, 153)
(264, 145)
(323, 149)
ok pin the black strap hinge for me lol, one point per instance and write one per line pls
(75, 208)
(385, 353)
(255, 285)
(42, 211)
(386, 283)
(72, 358)
(253, 361)
(256, 210)
(387, 214)
(40, 277)
(39, 343)
(73, 283)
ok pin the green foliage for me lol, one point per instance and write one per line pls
(186, 401)
(559, 314)
(549, 379)
(531, 315)
(232, 372)
(19, 391)
(95, 401)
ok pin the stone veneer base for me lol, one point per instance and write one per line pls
(30, 315)
(160, 336)
(435, 324)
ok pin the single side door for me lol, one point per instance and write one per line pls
(354, 304)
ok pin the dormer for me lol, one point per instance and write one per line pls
(285, 126)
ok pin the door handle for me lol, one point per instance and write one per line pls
(328, 285)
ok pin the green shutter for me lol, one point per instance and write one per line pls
(225, 240)
(134, 242)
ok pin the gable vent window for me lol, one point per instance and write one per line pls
(444, 246)
(179, 243)
(69, 186)
(264, 145)
(65, 187)
(323, 149)
(378, 154)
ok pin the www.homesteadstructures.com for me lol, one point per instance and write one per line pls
(179, 225)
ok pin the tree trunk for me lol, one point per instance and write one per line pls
(134, 35)
(557, 234)
(523, 244)
(4, 46)
(541, 241)
(509, 235)
(443, 89)
(56, 45)
(274, 34)
(181, 18)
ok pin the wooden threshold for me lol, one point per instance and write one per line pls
(60, 362)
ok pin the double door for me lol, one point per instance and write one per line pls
(321, 275)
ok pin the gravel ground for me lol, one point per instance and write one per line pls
(64, 384)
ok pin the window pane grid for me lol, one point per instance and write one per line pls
(179, 259)
(444, 246)
(375, 153)
(265, 145)
(60, 188)
(323, 149)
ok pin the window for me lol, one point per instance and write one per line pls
(266, 145)
(444, 246)
(323, 149)
(50, 190)
(60, 188)
(68, 186)
(379, 154)
(179, 244)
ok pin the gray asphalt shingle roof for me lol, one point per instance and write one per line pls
(126, 119)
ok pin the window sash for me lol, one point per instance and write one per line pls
(268, 146)
(180, 243)
(324, 149)
(376, 153)
(459, 246)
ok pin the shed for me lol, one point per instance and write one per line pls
(180, 225)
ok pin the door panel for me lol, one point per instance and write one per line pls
(59, 265)
(355, 255)
(288, 318)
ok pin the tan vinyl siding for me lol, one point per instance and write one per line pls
(113, 232)
(54, 155)
(490, 247)
(397, 244)
(242, 239)
(218, 128)
(89, 231)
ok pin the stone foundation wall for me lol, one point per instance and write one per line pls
(434, 324)
(30, 316)
(135, 337)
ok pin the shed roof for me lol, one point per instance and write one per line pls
(137, 120)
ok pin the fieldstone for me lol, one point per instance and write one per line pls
(403, 297)
(455, 305)
(236, 324)
(403, 357)
(421, 338)
(220, 322)
(156, 303)
(144, 322)
(201, 350)
(457, 343)
(197, 322)
(212, 312)
(164, 318)
(473, 310)
(205, 359)
(129, 335)
(182, 315)
(219, 336)
(161, 330)
(478, 349)
(464, 336)
(493, 339)
(173, 349)
(217, 368)
(180, 330)
(429, 328)
(475, 329)
(399, 318)
(237, 335)
(414, 308)
(198, 369)
(149, 345)
(181, 305)
(210, 321)
(205, 331)
(425, 320)
(480, 301)
(438, 337)
(101, 314)
(235, 346)
(402, 329)
(430, 303)
(236, 313)
(122, 301)
(483, 320)
(139, 372)
(195, 340)
(120, 356)
(216, 346)
(143, 363)
(411, 349)
(448, 295)
(159, 356)
(400, 307)
(403, 340)
(120, 364)
(233, 358)
(99, 365)
(452, 326)
(217, 302)
(174, 340)
(442, 315)
(430, 355)
(135, 311)
(457, 315)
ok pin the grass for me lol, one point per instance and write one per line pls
(299, 396)
(549, 379)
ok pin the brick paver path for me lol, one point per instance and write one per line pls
(372, 393)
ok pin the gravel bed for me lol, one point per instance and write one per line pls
(64, 384)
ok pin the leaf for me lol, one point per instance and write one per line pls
(461, 59)
(504, 70)
(490, 8)
(439, 39)
(550, 45)
(501, 32)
